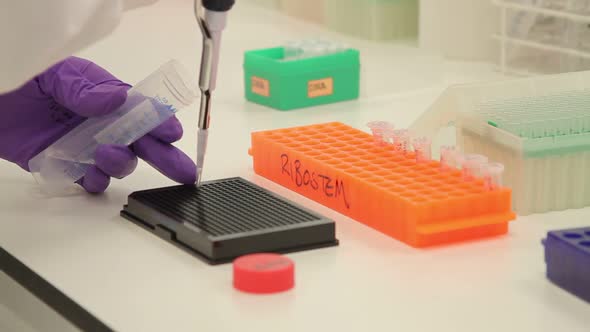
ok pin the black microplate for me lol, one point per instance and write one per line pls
(224, 219)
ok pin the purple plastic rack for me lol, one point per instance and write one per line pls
(567, 255)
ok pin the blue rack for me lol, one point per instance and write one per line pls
(567, 255)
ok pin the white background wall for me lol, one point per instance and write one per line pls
(459, 29)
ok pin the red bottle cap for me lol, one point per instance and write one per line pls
(264, 273)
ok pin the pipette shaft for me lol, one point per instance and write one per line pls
(212, 22)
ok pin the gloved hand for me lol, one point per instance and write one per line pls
(53, 103)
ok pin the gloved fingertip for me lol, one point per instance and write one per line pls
(168, 132)
(95, 181)
(167, 159)
(117, 161)
(187, 171)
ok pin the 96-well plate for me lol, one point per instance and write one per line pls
(224, 219)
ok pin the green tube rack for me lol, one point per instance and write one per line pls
(286, 85)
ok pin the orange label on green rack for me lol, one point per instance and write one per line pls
(260, 86)
(319, 88)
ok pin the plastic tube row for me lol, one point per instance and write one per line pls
(296, 50)
(384, 133)
(472, 166)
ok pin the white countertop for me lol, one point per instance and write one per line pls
(133, 281)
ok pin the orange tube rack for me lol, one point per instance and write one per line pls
(344, 169)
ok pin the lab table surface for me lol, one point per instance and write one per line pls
(133, 281)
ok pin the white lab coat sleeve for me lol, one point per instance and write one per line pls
(34, 34)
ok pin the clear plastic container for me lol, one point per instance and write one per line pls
(568, 6)
(538, 128)
(373, 19)
(544, 36)
(526, 61)
(149, 103)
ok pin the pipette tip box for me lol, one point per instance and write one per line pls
(538, 127)
(286, 85)
(343, 169)
(567, 255)
(224, 219)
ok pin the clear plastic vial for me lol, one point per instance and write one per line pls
(447, 157)
(492, 174)
(380, 129)
(401, 140)
(472, 165)
(422, 147)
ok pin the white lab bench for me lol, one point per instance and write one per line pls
(134, 281)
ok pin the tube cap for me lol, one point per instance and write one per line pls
(264, 273)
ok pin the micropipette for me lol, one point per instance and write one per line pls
(212, 20)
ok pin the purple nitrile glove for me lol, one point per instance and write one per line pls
(53, 103)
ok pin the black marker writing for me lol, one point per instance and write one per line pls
(302, 177)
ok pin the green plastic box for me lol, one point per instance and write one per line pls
(287, 85)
